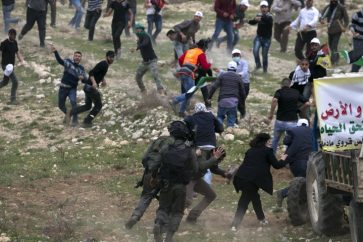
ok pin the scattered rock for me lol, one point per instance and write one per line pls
(228, 137)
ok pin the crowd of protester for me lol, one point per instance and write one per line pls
(175, 165)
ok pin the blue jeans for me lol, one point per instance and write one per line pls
(77, 18)
(235, 38)
(158, 20)
(71, 93)
(7, 9)
(227, 26)
(264, 43)
(279, 128)
(187, 82)
(180, 48)
(231, 114)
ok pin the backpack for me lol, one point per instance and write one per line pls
(176, 164)
(158, 5)
(152, 158)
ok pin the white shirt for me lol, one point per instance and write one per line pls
(242, 70)
(306, 17)
(151, 10)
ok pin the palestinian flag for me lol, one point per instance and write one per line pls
(201, 83)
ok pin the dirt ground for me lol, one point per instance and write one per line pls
(56, 206)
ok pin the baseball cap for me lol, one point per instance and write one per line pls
(236, 51)
(302, 122)
(199, 14)
(232, 65)
(8, 69)
(139, 26)
(315, 41)
(245, 2)
(264, 3)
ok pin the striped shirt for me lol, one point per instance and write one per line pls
(94, 5)
(357, 23)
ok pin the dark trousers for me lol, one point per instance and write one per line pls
(53, 11)
(33, 16)
(92, 96)
(158, 21)
(302, 39)
(298, 169)
(90, 22)
(247, 88)
(356, 54)
(127, 30)
(249, 194)
(117, 29)
(71, 93)
(333, 40)
(281, 35)
(147, 195)
(14, 84)
(202, 187)
(171, 208)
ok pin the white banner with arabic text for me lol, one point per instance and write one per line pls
(339, 103)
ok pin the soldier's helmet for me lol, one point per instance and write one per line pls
(178, 129)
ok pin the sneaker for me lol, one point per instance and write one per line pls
(74, 124)
(191, 220)
(279, 198)
(345, 55)
(233, 229)
(87, 125)
(173, 106)
(263, 222)
(13, 102)
(20, 37)
(118, 54)
(130, 223)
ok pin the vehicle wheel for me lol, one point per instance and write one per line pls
(296, 202)
(356, 221)
(325, 210)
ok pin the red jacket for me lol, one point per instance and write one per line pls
(225, 6)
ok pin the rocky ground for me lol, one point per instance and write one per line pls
(61, 183)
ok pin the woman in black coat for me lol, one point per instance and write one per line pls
(253, 174)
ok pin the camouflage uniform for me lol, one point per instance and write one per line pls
(143, 67)
(151, 162)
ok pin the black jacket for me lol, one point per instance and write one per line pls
(231, 85)
(299, 142)
(146, 48)
(204, 125)
(256, 168)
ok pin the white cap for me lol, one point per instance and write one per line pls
(8, 69)
(302, 121)
(245, 2)
(315, 41)
(199, 14)
(264, 3)
(232, 65)
(236, 51)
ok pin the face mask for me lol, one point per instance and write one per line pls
(236, 58)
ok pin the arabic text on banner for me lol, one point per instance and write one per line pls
(339, 105)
